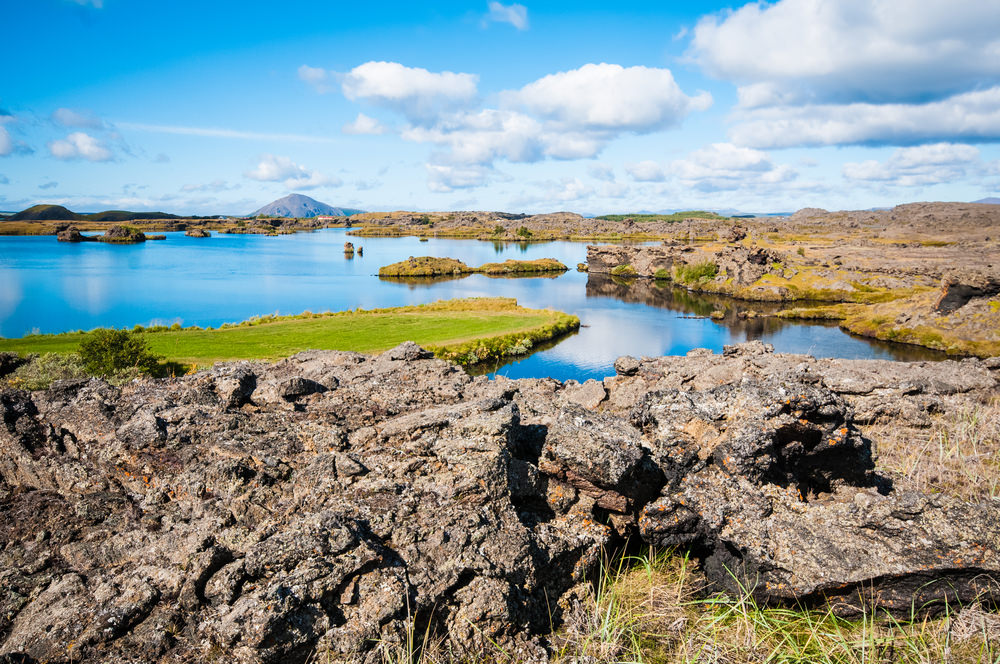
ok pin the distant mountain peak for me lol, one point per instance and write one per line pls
(992, 200)
(301, 206)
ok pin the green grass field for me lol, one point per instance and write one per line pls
(442, 326)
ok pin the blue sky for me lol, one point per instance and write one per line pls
(221, 107)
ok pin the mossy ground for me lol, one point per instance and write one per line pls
(464, 330)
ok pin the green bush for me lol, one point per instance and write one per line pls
(116, 353)
(524, 232)
(661, 274)
(687, 274)
(624, 270)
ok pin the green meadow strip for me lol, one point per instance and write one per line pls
(464, 331)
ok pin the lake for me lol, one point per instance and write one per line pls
(48, 286)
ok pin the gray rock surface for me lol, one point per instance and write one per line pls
(335, 503)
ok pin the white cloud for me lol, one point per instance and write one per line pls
(6, 143)
(611, 97)
(918, 166)
(971, 116)
(842, 51)
(515, 14)
(725, 167)
(646, 171)
(568, 115)
(364, 125)
(416, 92)
(215, 132)
(48, 185)
(80, 145)
(96, 4)
(67, 117)
(317, 77)
(836, 72)
(482, 137)
(214, 185)
(601, 172)
(444, 178)
(272, 168)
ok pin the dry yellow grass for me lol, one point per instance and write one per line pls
(958, 455)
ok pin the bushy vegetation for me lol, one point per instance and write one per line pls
(42, 370)
(624, 270)
(511, 266)
(695, 272)
(111, 353)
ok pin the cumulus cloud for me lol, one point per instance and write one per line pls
(67, 117)
(973, 116)
(646, 171)
(416, 92)
(80, 145)
(836, 72)
(272, 168)
(611, 97)
(364, 125)
(726, 167)
(482, 137)
(515, 14)
(843, 51)
(918, 166)
(568, 115)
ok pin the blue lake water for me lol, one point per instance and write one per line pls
(48, 286)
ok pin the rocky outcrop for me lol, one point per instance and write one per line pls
(959, 287)
(333, 505)
(197, 232)
(122, 235)
(71, 234)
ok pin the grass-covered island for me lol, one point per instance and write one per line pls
(429, 266)
(466, 331)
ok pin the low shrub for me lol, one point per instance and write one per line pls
(108, 352)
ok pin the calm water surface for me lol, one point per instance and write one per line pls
(48, 286)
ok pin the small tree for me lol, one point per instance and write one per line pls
(115, 352)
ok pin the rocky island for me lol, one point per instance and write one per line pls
(338, 507)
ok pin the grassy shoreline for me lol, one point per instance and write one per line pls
(464, 331)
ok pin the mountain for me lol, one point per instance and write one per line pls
(990, 201)
(297, 205)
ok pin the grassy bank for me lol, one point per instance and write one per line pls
(460, 330)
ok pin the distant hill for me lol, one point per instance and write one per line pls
(45, 213)
(989, 201)
(297, 205)
(59, 213)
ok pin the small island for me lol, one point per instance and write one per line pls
(429, 266)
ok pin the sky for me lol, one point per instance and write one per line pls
(595, 107)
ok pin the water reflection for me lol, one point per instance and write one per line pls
(630, 317)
